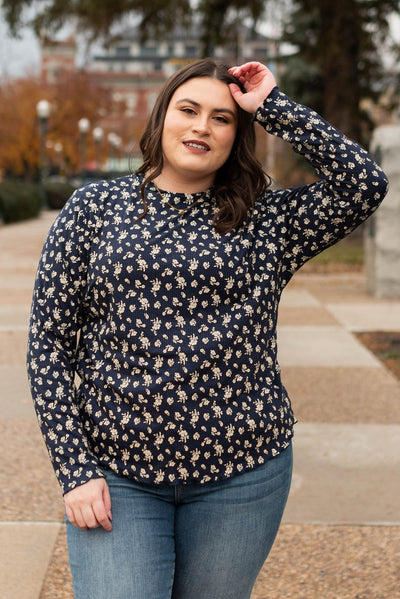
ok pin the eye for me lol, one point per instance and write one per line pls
(221, 119)
(188, 110)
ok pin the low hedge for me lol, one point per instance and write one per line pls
(57, 193)
(19, 200)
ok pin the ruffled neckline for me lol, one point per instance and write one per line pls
(180, 197)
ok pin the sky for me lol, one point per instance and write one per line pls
(17, 56)
(21, 56)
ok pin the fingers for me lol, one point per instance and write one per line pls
(235, 91)
(246, 72)
(246, 67)
(102, 509)
(257, 80)
(76, 518)
(107, 501)
(89, 505)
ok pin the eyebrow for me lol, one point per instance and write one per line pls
(227, 110)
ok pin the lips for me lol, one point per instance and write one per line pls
(197, 145)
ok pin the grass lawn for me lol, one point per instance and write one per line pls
(348, 251)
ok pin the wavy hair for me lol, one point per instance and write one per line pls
(240, 180)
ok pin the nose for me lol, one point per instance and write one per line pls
(201, 125)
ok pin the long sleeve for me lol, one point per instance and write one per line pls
(350, 188)
(177, 348)
(54, 326)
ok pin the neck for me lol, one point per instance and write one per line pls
(175, 185)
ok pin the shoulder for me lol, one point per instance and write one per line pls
(94, 199)
(119, 187)
(274, 201)
(90, 205)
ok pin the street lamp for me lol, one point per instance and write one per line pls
(43, 112)
(98, 135)
(115, 143)
(58, 148)
(84, 126)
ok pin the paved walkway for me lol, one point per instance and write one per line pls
(340, 538)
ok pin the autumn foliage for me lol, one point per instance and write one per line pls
(73, 96)
(19, 138)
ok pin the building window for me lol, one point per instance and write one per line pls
(191, 51)
(131, 100)
(149, 50)
(260, 53)
(122, 51)
(151, 100)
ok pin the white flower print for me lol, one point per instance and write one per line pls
(171, 326)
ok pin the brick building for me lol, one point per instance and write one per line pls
(134, 71)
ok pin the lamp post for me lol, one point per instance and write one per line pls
(58, 148)
(98, 135)
(84, 126)
(115, 142)
(43, 112)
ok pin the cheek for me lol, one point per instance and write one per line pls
(173, 123)
(227, 141)
(169, 129)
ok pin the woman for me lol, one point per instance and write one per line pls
(160, 290)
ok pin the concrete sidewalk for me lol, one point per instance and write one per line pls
(340, 538)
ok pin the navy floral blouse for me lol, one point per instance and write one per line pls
(152, 347)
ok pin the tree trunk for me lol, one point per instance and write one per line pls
(340, 51)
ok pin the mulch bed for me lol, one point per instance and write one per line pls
(384, 344)
(386, 347)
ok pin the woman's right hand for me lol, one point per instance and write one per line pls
(258, 82)
(89, 505)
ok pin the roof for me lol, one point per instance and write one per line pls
(192, 31)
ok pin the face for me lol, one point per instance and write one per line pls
(199, 131)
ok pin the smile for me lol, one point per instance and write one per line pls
(197, 146)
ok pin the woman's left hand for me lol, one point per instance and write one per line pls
(258, 82)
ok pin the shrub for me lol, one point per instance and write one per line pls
(19, 200)
(57, 193)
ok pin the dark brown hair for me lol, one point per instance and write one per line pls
(240, 180)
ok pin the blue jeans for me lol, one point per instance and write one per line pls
(182, 542)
